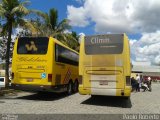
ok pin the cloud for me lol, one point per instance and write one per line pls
(117, 15)
(147, 48)
(77, 16)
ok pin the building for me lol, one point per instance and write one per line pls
(145, 71)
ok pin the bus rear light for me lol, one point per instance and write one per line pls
(49, 77)
(12, 75)
(128, 81)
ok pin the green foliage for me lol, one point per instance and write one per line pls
(12, 13)
(51, 27)
(53, 17)
(2, 66)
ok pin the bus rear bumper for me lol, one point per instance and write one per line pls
(106, 92)
(38, 88)
(127, 91)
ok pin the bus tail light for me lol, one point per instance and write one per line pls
(12, 75)
(80, 79)
(128, 81)
(49, 77)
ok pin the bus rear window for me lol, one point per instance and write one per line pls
(32, 45)
(104, 44)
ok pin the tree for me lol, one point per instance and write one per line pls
(70, 39)
(76, 37)
(51, 27)
(19, 32)
(12, 13)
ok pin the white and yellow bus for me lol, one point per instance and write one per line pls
(104, 65)
(44, 64)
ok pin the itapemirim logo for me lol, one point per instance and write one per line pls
(31, 47)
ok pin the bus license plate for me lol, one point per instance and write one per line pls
(103, 82)
(30, 80)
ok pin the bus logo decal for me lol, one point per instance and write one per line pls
(31, 47)
(43, 75)
(96, 40)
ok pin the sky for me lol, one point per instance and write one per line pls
(138, 18)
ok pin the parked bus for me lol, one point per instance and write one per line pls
(104, 65)
(44, 64)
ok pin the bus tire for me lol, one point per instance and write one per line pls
(75, 86)
(69, 88)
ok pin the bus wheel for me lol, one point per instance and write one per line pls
(75, 87)
(69, 88)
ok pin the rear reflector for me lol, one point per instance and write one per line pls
(49, 77)
(128, 81)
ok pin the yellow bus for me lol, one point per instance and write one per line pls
(104, 65)
(44, 64)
